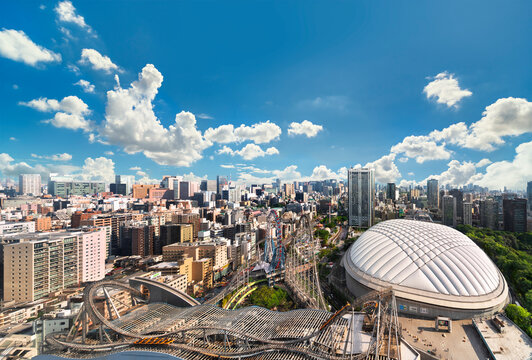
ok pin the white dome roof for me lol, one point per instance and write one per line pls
(424, 256)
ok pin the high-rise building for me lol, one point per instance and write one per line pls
(449, 210)
(489, 214)
(529, 194)
(185, 190)
(29, 184)
(221, 183)
(361, 197)
(289, 190)
(468, 213)
(459, 196)
(433, 194)
(92, 253)
(390, 191)
(514, 215)
(128, 180)
(208, 185)
(39, 264)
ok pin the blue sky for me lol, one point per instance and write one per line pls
(310, 89)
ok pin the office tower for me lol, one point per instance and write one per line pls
(514, 215)
(278, 184)
(234, 194)
(289, 190)
(208, 185)
(118, 189)
(67, 188)
(433, 195)
(29, 184)
(449, 210)
(440, 199)
(221, 182)
(468, 213)
(390, 191)
(459, 196)
(128, 180)
(184, 190)
(489, 214)
(529, 194)
(361, 197)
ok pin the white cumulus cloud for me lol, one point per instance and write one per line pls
(17, 46)
(512, 174)
(131, 123)
(98, 169)
(457, 174)
(305, 127)
(97, 61)
(249, 152)
(446, 90)
(259, 133)
(85, 85)
(70, 112)
(385, 169)
(422, 148)
(66, 12)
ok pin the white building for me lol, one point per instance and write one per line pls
(92, 254)
(434, 270)
(30, 184)
(7, 228)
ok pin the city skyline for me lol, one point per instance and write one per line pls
(323, 91)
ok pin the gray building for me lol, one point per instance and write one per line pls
(459, 196)
(433, 194)
(67, 188)
(208, 185)
(129, 180)
(468, 214)
(449, 210)
(489, 214)
(514, 215)
(390, 191)
(529, 194)
(361, 183)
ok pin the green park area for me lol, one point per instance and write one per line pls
(273, 298)
(512, 253)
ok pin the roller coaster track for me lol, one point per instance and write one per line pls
(260, 344)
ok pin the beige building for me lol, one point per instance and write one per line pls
(43, 263)
(215, 251)
(202, 272)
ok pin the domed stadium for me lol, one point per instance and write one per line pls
(433, 269)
